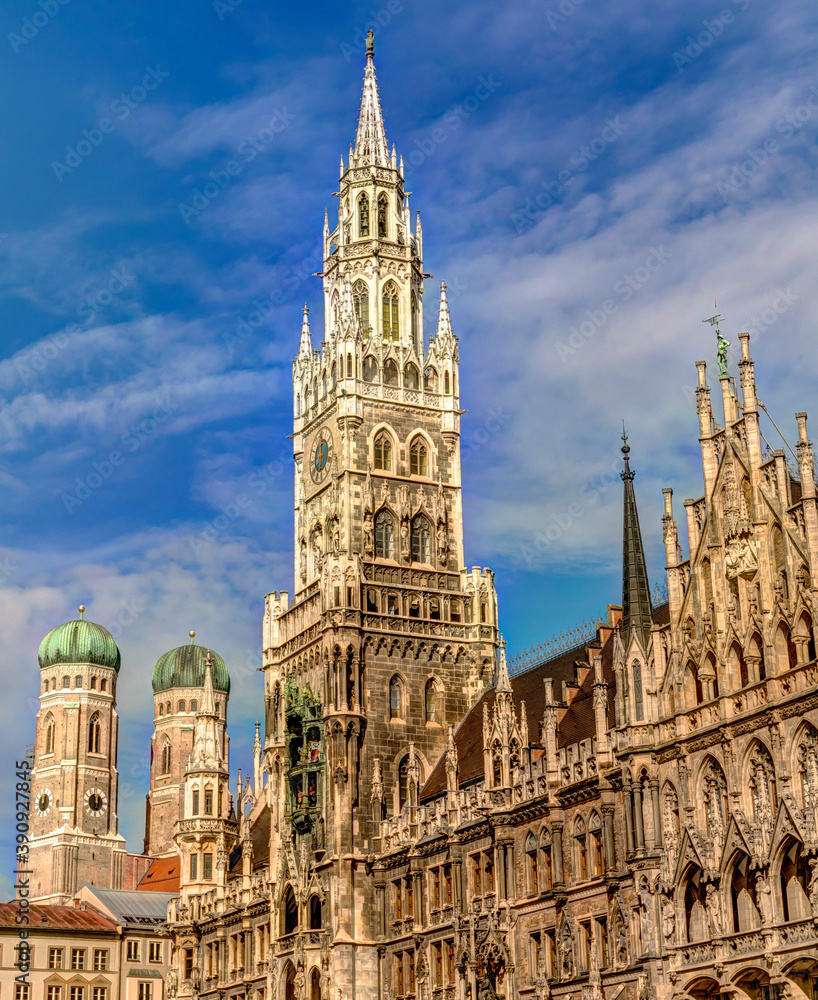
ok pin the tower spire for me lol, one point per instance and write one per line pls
(444, 322)
(370, 142)
(637, 614)
(305, 347)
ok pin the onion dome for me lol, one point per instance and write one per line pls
(79, 641)
(185, 667)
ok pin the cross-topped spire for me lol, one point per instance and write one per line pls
(637, 614)
(370, 142)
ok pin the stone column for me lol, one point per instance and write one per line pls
(657, 812)
(556, 836)
(628, 796)
(637, 816)
(608, 835)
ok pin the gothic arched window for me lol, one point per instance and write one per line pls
(638, 698)
(531, 864)
(430, 380)
(360, 302)
(289, 911)
(370, 369)
(395, 698)
(411, 379)
(384, 536)
(315, 913)
(403, 782)
(383, 224)
(418, 459)
(94, 733)
(580, 850)
(165, 757)
(431, 701)
(595, 844)
(349, 365)
(50, 729)
(390, 373)
(383, 452)
(391, 322)
(421, 540)
(363, 216)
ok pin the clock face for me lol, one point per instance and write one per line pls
(321, 457)
(43, 804)
(95, 802)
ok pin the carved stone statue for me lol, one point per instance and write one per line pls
(369, 536)
(813, 886)
(668, 922)
(721, 352)
(172, 982)
(713, 906)
(764, 898)
(566, 952)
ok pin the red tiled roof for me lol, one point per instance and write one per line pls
(576, 723)
(57, 918)
(162, 876)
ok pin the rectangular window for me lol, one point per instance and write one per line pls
(534, 951)
(145, 991)
(133, 951)
(398, 901)
(602, 926)
(155, 951)
(399, 980)
(547, 865)
(437, 963)
(448, 897)
(551, 952)
(448, 948)
(476, 876)
(53, 993)
(410, 962)
(76, 993)
(100, 993)
(22, 991)
(489, 871)
(195, 797)
(585, 944)
(78, 958)
(188, 963)
(100, 959)
(436, 888)
(410, 896)
(55, 958)
(194, 866)
(207, 866)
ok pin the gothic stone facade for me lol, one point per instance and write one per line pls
(634, 817)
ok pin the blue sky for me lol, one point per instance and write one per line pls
(591, 178)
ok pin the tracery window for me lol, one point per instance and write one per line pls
(383, 452)
(360, 303)
(383, 225)
(418, 459)
(363, 216)
(421, 539)
(390, 314)
(94, 733)
(395, 698)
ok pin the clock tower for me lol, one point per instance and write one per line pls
(389, 636)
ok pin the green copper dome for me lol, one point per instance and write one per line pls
(185, 667)
(79, 642)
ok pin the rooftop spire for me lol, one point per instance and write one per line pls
(370, 142)
(503, 680)
(305, 347)
(208, 701)
(636, 609)
(444, 322)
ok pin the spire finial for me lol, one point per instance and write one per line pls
(370, 142)
(626, 449)
(370, 44)
(192, 635)
(721, 343)
(503, 680)
(81, 610)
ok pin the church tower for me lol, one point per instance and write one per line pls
(178, 683)
(389, 637)
(74, 835)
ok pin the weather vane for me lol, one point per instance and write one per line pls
(721, 343)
